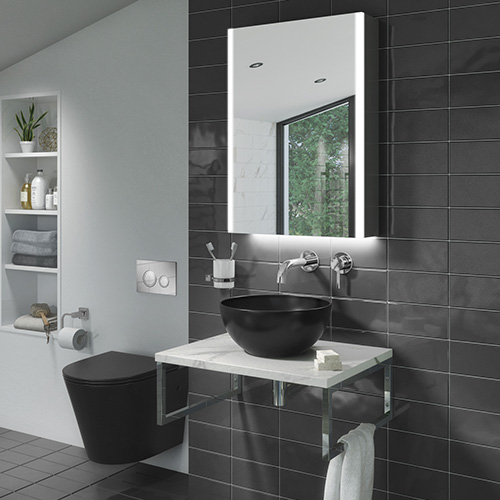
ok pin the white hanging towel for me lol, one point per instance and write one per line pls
(350, 474)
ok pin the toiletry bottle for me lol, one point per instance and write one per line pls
(56, 198)
(26, 193)
(49, 200)
(38, 191)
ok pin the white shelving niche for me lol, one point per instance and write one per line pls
(24, 285)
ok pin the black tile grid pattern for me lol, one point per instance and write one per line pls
(429, 287)
(33, 468)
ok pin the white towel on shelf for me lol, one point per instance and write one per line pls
(350, 474)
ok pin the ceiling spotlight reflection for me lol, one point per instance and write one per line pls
(320, 80)
(256, 65)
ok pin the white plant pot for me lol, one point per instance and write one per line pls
(27, 146)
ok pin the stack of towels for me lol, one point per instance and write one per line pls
(34, 248)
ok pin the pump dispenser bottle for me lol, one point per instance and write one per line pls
(38, 191)
(26, 193)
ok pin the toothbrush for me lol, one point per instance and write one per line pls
(234, 247)
(210, 249)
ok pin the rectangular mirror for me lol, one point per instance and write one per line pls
(303, 127)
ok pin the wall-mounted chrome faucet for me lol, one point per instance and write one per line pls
(308, 261)
(341, 264)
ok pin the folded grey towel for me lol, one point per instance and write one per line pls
(34, 260)
(28, 322)
(35, 237)
(27, 249)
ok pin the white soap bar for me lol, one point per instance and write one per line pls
(332, 366)
(327, 356)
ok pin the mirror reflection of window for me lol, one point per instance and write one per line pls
(315, 168)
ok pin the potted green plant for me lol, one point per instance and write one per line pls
(27, 127)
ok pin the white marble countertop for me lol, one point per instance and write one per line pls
(222, 354)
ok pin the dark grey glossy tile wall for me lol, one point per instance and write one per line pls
(205, 189)
(419, 190)
(408, 6)
(474, 22)
(207, 107)
(199, 239)
(254, 447)
(464, 326)
(473, 460)
(298, 281)
(474, 191)
(291, 10)
(475, 123)
(418, 126)
(426, 27)
(422, 418)
(219, 414)
(210, 437)
(415, 61)
(414, 255)
(263, 13)
(208, 134)
(418, 288)
(474, 90)
(474, 225)
(208, 217)
(475, 359)
(208, 79)
(464, 488)
(474, 157)
(474, 393)
(475, 56)
(475, 292)
(422, 60)
(359, 315)
(418, 320)
(208, 162)
(209, 24)
(417, 482)
(210, 465)
(374, 8)
(421, 223)
(475, 427)
(361, 284)
(255, 476)
(302, 458)
(207, 51)
(418, 93)
(207, 382)
(419, 385)
(486, 258)
(418, 450)
(205, 489)
(420, 352)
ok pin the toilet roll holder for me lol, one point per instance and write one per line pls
(82, 313)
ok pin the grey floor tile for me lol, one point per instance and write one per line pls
(19, 436)
(64, 459)
(31, 451)
(4, 492)
(15, 457)
(43, 493)
(46, 466)
(82, 476)
(103, 468)
(61, 484)
(7, 444)
(27, 474)
(17, 496)
(4, 466)
(49, 444)
(13, 483)
(76, 451)
(96, 493)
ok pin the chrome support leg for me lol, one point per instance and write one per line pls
(326, 424)
(165, 418)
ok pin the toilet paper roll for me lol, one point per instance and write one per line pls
(72, 338)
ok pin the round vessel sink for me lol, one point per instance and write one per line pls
(275, 326)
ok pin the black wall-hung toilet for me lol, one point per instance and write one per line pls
(114, 400)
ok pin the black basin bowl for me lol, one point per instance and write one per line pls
(275, 326)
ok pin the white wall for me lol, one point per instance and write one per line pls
(123, 84)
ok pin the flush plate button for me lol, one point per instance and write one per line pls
(154, 276)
